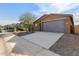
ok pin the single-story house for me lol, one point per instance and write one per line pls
(62, 23)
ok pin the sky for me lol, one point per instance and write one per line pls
(10, 12)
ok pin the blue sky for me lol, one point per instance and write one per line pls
(9, 13)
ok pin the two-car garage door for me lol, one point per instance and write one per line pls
(54, 26)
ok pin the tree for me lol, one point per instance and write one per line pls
(13, 26)
(27, 21)
(10, 27)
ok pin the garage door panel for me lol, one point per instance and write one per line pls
(54, 26)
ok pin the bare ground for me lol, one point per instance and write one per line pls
(3, 48)
(68, 45)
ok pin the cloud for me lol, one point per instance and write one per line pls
(62, 6)
(56, 7)
(59, 8)
(46, 7)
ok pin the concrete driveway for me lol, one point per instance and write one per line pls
(43, 39)
(35, 44)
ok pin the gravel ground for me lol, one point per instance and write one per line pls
(68, 45)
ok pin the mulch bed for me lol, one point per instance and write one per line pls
(67, 45)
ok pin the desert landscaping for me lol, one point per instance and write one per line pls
(27, 30)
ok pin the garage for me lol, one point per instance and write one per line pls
(54, 26)
(59, 23)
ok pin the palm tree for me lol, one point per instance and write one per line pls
(27, 21)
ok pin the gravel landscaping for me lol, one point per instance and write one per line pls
(68, 45)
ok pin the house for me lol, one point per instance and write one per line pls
(62, 23)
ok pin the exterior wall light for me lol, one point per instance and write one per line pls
(35, 25)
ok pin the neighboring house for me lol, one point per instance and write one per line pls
(62, 23)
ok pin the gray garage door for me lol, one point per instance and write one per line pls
(54, 26)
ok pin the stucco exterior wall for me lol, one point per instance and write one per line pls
(68, 24)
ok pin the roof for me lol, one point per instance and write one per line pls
(42, 17)
(46, 15)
